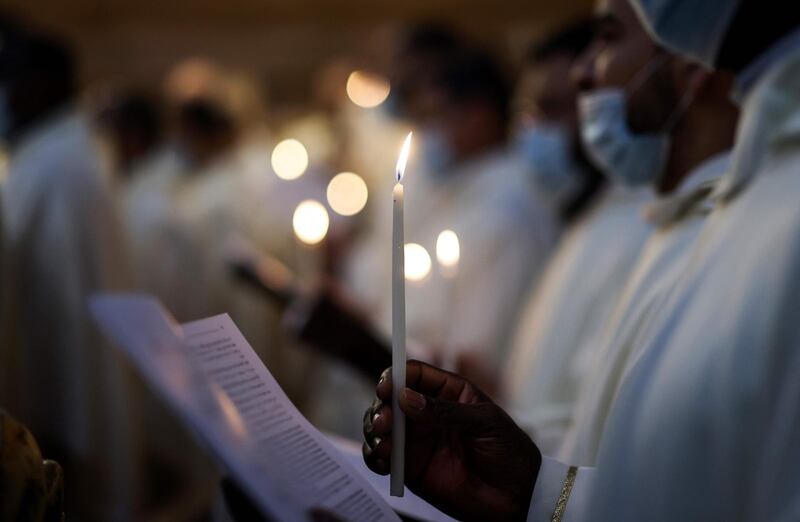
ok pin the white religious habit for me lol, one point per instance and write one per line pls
(562, 319)
(506, 234)
(678, 219)
(63, 242)
(158, 241)
(705, 422)
(232, 198)
(210, 205)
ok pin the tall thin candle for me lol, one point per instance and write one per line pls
(396, 487)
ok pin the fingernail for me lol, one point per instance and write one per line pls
(380, 381)
(371, 422)
(414, 399)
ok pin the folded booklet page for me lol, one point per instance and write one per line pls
(211, 376)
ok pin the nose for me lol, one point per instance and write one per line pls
(582, 74)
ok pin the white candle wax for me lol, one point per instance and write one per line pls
(398, 344)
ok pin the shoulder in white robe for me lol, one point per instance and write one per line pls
(63, 242)
(563, 316)
(658, 269)
(705, 425)
(506, 235)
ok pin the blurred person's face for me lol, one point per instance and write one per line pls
(622, 55)
(411, 75)
(462, 129)
(548, 93)
(412, 89)
(548, 137)
(203, 133)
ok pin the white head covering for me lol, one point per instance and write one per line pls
(694, 28)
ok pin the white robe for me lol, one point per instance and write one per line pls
(232, 199)
(159, 242)
(705, 425)
(563, 317)
(62, 243)
(506, 235)
(658, 269)
(211, 214)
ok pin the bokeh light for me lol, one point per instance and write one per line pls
(367, 89)
(289, 159)
(310, 222)
(347, 194)
(448, 249)
(418, 262)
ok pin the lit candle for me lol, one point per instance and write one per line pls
(396, 488)
(310, 222)
(448, 254)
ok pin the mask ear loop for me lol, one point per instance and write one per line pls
(643, 74)
(680, 109)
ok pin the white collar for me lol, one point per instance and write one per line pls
(693, 194)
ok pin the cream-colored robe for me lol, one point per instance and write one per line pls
(658, 269)
(706, 422)
(564, 314)
(63, 242)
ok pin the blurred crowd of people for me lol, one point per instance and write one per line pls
(177, 192)
(550, 216)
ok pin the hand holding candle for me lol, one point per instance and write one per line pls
(398, 327)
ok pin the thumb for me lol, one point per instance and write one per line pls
(439, 413)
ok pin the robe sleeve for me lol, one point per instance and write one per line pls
(549, 485)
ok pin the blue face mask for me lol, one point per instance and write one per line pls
(436, 152)
(547, 148)
(632, 160)
(694, 28)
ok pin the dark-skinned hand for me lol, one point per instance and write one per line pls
(464, 454)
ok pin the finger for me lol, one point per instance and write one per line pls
(382, 422)
(435, 382)
(378, 422)
(384, 388)
(430, 411)
(373, 462)
(428, 380)
(370, 414)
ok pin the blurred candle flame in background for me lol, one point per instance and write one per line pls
(448, 249)
(366, 89)
(347, 194)
(289, 159)
(418, 262)
(310, 222)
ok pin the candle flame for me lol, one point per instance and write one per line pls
(403, 159)
(448, 249)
